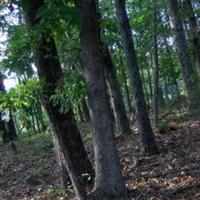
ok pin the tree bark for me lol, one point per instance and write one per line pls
(126, 88)
(50, 73)
(173, 78)
(109, 181)
(194, 35)
(188, 73)
(155, 63)
(65, 179)
(121, 117)
(147, 138)
(86, 111)
(149, 79)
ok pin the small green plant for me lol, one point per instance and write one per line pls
(53, 192)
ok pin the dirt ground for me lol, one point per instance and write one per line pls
(172, 174)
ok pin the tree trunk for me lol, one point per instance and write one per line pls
(147, 138)
(9, 133)
(155, 63)
(149, 81)
(86, 111)
(5, 137)
(146, 94)
(49, 71)
(33, 122)
(65, 179)
(173, 78)
(189, 76)
(80, 113)
(128, 98)
(119, 107)
(161, 101)
(109, 181)
(193, 32)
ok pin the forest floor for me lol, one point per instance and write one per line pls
(32, 173)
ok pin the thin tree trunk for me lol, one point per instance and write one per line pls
(189, 76)
(174, 80)
(37, 120)
(49, 71)
(5, 136)
(147, 138)
(161, 101)
(80, 113)
(10, 133)
(150, 84)
(128, 98)
(146, 95)
(155, 63)
(119, 107)
(86, 111)
(166, 91)
(109, 181)
(33, 122)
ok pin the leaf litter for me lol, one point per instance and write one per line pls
(172, 174)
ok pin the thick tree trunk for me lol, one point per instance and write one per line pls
(49, 70)
(147, 138)
(119, 107)
(155, 64)
(189, 76)
(194, 35)
(109, 181)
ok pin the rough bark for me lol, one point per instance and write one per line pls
(119, 107)
(147, 138)
(109, 181)
(188, 73)
(64, 126)
(194, 35)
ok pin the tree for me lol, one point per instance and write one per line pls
(147, 138)
(155, 63)
(193, 32)
(120, 111)
(188, 73)
(7, 127)
(50, 73)
(109, 181)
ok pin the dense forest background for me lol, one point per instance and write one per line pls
(99, 99)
